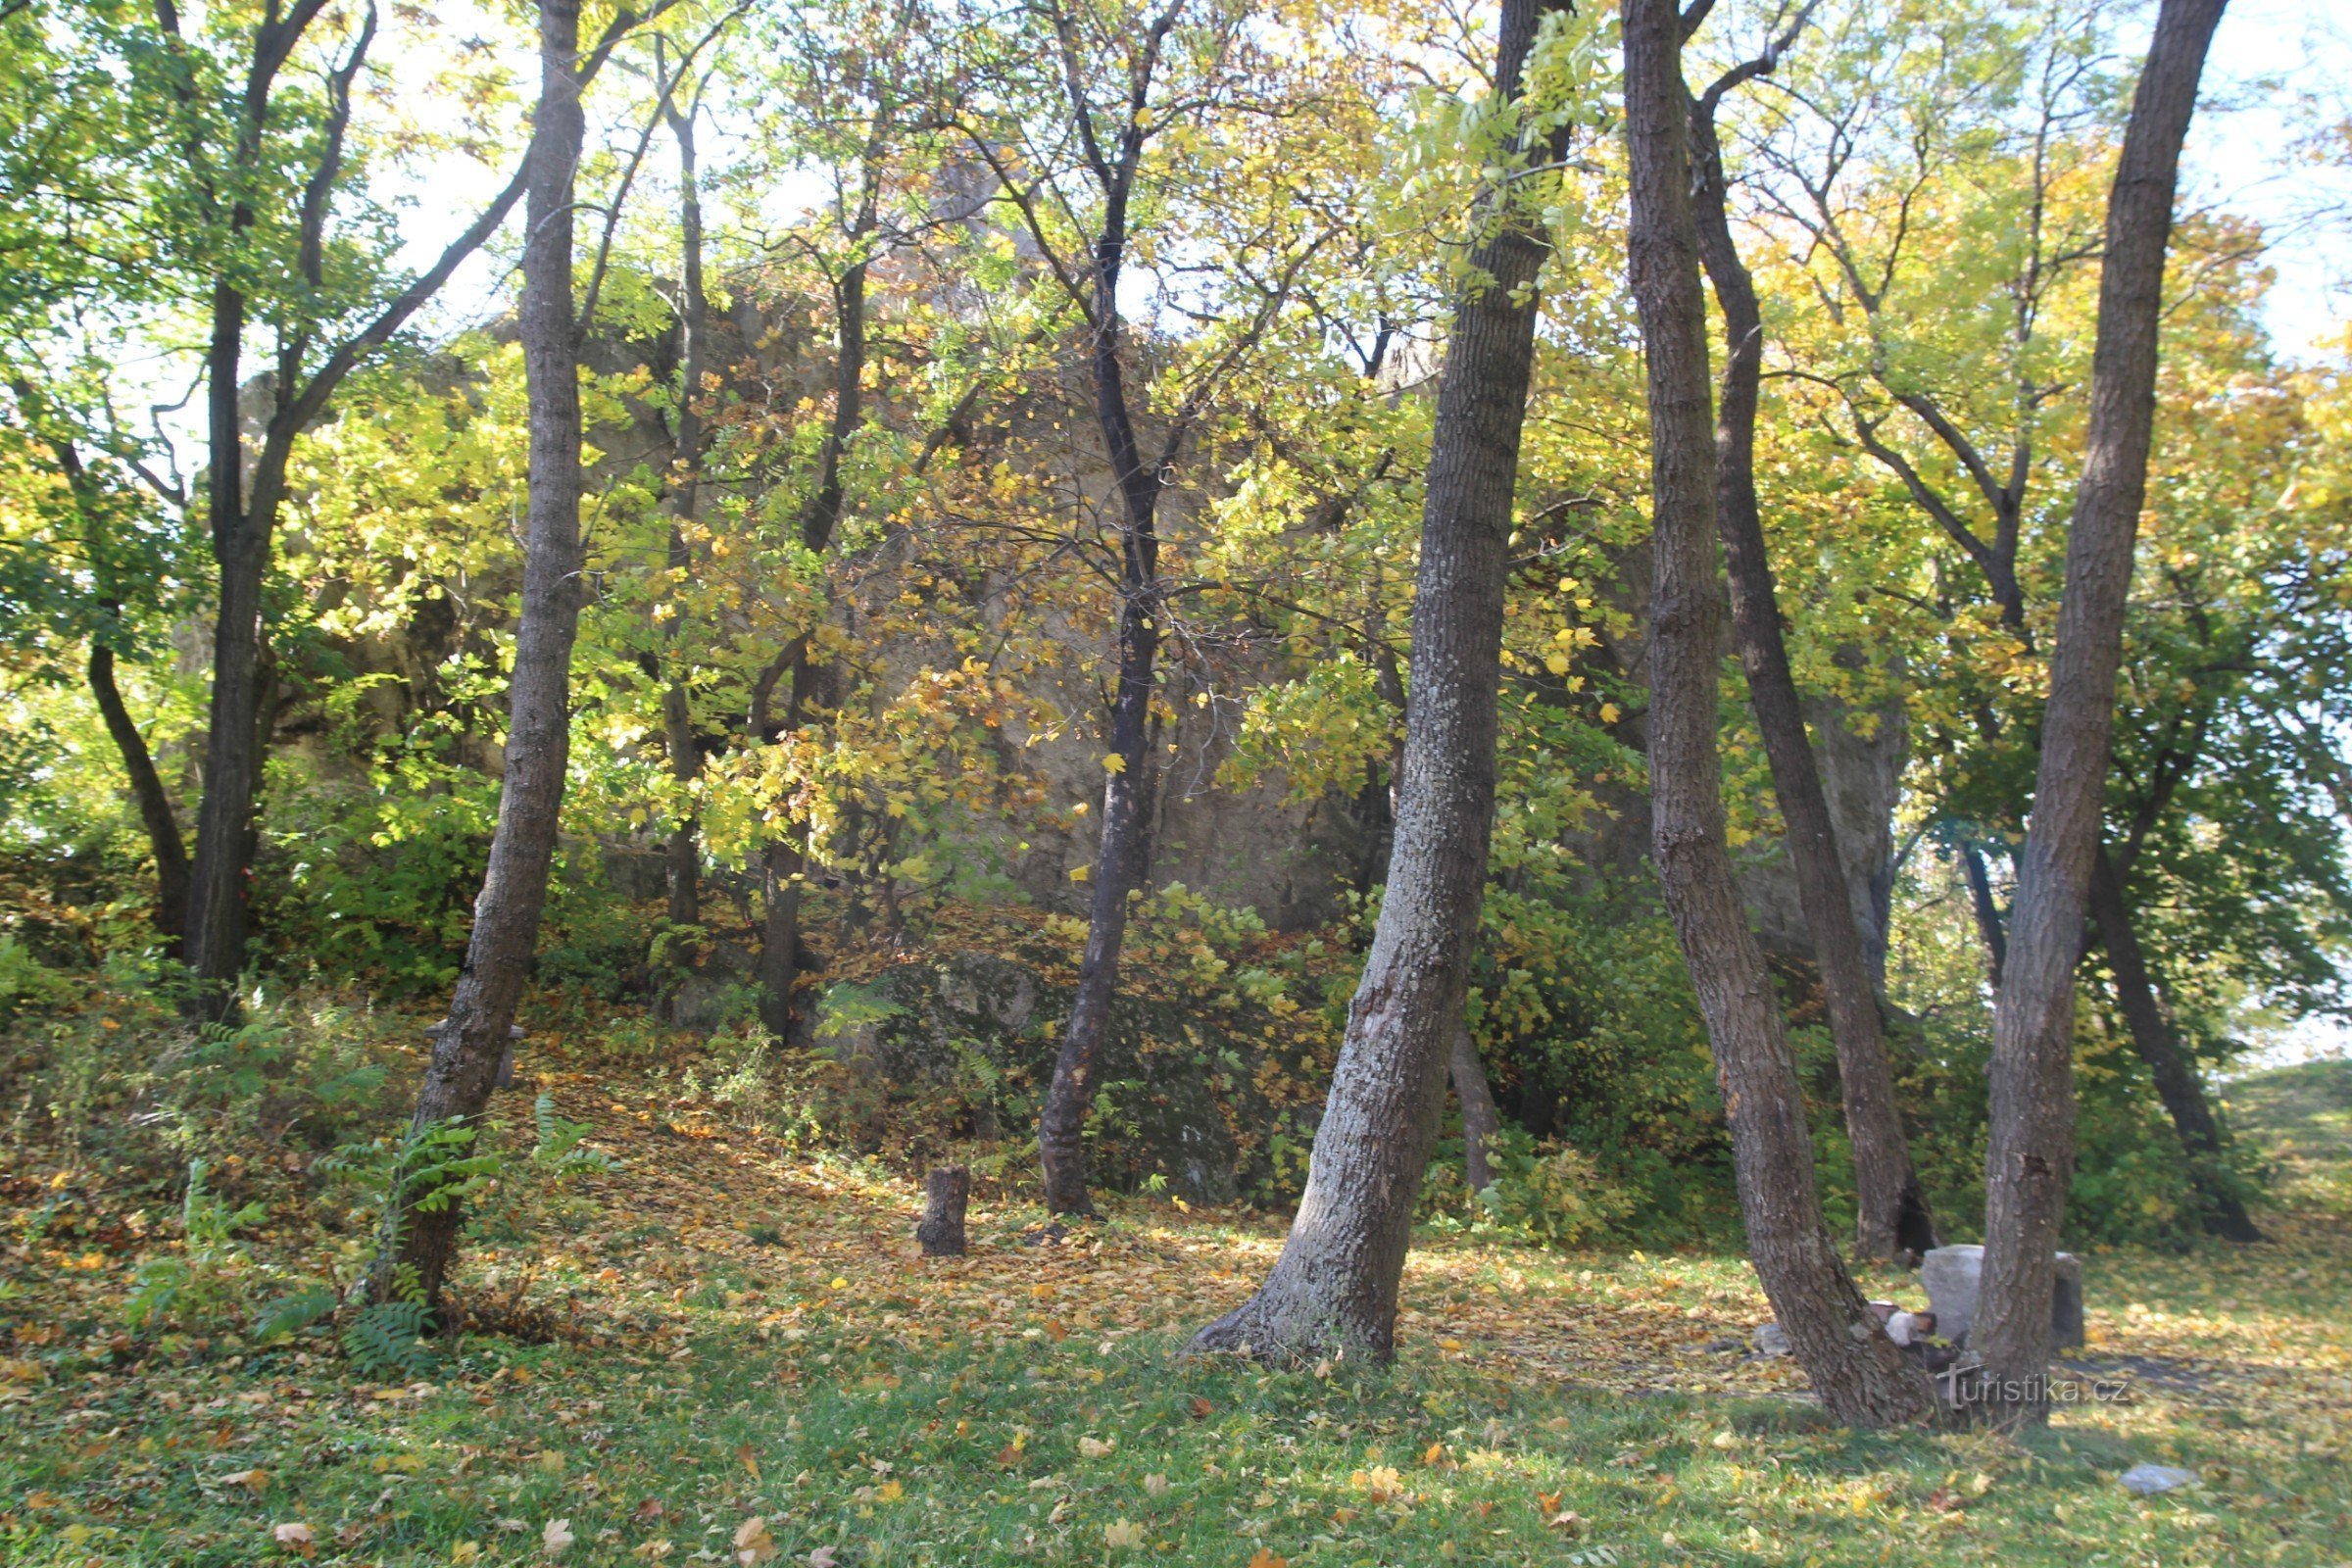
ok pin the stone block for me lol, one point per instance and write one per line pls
(1954, 1275)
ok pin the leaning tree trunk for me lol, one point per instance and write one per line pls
(1891, 1211)
(506, 917)
(2168, 1065)
(1858, 1372)
(147, 790)
(2029, 1158)
(1335, 1284)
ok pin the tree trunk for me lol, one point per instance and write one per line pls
(1123, 854)
(1860, 1375)
(1480, 1120)
(216, 893)
(2153, 1038)
(2030, 1156)
(506, 917)
(685, 868)
(1335, 1284)
(784, 861)
(946, 1194)
(154, 801)
(1891, 1211)
(1987, 912)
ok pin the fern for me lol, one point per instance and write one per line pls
(291, 1313)
(386, 1339)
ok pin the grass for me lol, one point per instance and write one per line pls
(747, 1335)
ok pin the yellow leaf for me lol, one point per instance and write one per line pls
(1557, 664)
(891, 1491)
(1608, 713)
(1095, 1448)
(1124, 1534)
(1081, 873)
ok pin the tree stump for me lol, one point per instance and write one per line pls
(942, 1231)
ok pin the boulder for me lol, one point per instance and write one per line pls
(1954, 1275)
(2146, 1480)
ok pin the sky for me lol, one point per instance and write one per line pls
(2275, 66)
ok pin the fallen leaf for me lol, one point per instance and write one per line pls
(649, 1510)
(654, 1550)
(1568, 1520)
(1122, 1535)
(821, 1557)
(1200, 1412)
(1266, 1559)
(749, 1463)
(1095, 1448)
(752, 1543)
(1156, 1485)
(891, 1491)
(556, 1538)
(253, 1480)
(297, 1538)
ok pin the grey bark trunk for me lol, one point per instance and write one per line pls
(1891, 1211)
(2152, 1036)
(505, 916)
(1334, 1285)
(1480, 1120)
(685, 855)
(1862, 1378)
(2030, 1156)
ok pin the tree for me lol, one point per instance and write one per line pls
(1859, 1374)
(247, 240)
(1891, 1211)
(1117, 91)
(2030, 1157)
(1336, 1282)
(506, 919)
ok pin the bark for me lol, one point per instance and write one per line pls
(147, 790)
(1480, 1120)
(1123, 853)
(155, 815)
(2168, 1065)
(686, 458)
(1334, 1285)
(242, 507)
(785, 860)
(2030, 1157)
(1891, 1211)
(1987, 912)
(946, 1194)
(506, 917)
(1862, 1378)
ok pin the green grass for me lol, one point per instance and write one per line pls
(960, 1417)
(976, 1458)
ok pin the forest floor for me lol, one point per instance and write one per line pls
(750, 1362)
